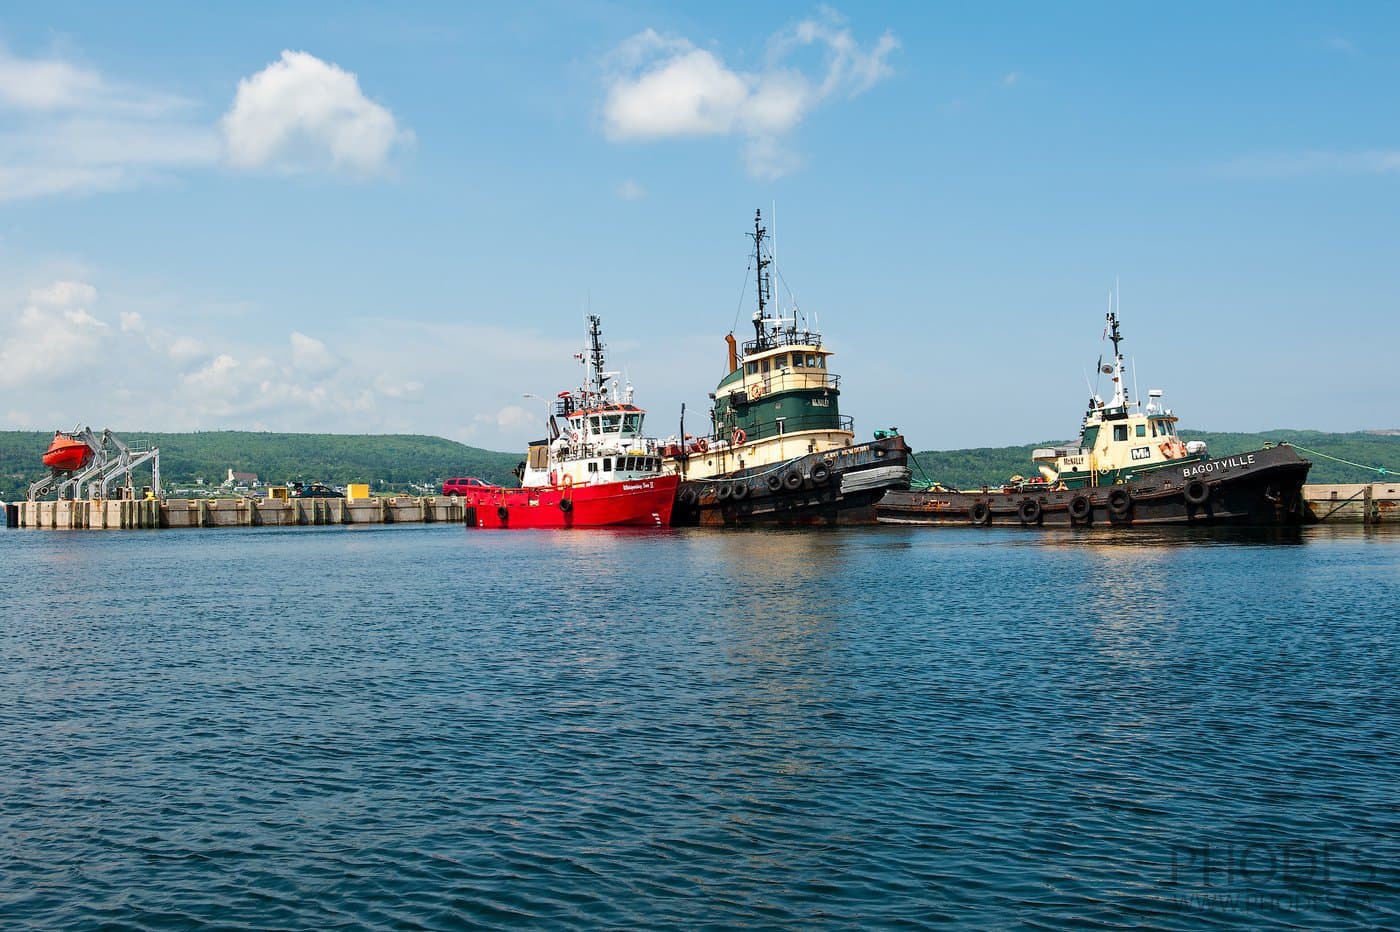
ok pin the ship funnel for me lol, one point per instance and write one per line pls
(733, 351)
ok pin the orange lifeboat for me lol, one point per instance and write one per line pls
(66, 454)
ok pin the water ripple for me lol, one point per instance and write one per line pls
(425, 729)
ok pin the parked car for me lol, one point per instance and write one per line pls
(316, 490)
(463, 485)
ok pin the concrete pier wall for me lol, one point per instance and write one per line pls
(1354, 503)
(230, 512)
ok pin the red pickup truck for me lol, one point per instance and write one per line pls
(461, 486)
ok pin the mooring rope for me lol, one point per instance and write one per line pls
(927, 480)
(1378, 470)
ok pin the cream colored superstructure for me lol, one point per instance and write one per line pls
(793, 374)
(1119, 439)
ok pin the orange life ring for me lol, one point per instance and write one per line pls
(701, 446)
(567, 482)
(757, 389)
(739, 437)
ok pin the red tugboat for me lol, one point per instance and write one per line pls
(66, 453)
(597, 470)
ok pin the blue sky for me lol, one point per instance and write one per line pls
(355, 218)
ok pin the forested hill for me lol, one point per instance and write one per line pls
(386, 461)
(994, 465)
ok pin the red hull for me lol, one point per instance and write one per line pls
(633, 503)
(66, 455)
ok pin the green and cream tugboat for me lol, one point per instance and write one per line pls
(1129, 468)
(779, 451)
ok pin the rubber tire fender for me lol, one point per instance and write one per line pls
(740, 491)
(773, 481)
(723, 492)
(1081, 509)
(1120, 502)
(1029, 512)
(980, 513)
(566, 505)
(792, 479)
(819, 473)
(1196, 492)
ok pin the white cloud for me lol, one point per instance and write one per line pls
(1291, 164)
(630, 190)
(71, 130)
(310, 354)
(218, 375)
(53, 85)
(511, 418)
(52, 337)
(1011, 79)
(301, 113)
(664, 87)
(184, 348)
(176, 365)
(39, 84)
(63, 294)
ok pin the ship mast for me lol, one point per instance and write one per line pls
(764, 284)
(595, 356)
(1120, 390)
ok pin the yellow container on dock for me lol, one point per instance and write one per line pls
(277, 492)
(357, 491)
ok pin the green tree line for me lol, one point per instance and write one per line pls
(385, 461)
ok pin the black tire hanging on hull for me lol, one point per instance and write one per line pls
(1081, 510)
(1120, 504)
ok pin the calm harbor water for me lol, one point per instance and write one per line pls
(422, 727)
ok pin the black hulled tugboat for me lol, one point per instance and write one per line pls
(1129, 468)
(779, 450)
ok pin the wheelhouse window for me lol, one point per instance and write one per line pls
(592, 467)
(632, 423)
(780, 361)
(811, 360)
(594, 425)
(1142, 430)
(607, 464)
(764, 364)
(1120, 431)
(821, 362)
(611, 422)
(797, 360)
(751, 368)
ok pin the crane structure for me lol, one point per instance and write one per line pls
(110, 460)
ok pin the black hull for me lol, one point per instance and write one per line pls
(834, 487)
(1264, 487)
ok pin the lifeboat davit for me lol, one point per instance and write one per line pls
(66, 454)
